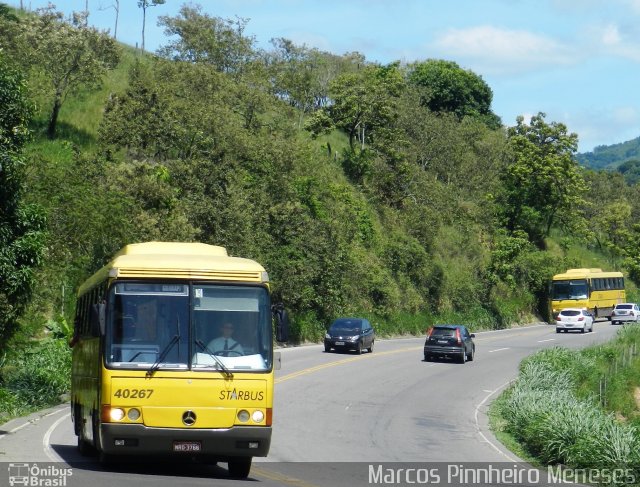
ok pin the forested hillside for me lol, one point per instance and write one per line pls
(391, 191)
(611, 156)
(623, 158)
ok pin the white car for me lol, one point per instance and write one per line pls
(574, 319)
(624, 312)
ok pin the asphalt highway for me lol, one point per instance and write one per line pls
(339, 418)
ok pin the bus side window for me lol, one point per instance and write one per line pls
(77, 322)
(84, 316)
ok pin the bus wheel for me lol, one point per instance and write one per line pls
(239, 467)
(84, 447)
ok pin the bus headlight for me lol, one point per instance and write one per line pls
(257, 416)
(133, 414)
(243, 416)
(116, 414)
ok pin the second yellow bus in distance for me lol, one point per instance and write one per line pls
(173, 356)
(592, 289)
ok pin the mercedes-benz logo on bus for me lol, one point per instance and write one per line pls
(189, 418)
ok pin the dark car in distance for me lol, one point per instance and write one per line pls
(350, 334)
(453, 341)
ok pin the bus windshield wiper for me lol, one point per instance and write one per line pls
(226, 371)
(161, 357)
(167, 349)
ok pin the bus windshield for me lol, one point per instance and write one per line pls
(571, 289)
(156, 325)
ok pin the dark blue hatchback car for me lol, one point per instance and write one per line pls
(350, 334)
(453, 341)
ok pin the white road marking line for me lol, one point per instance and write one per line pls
(32, 421)
(53, 456)
(547, 340)
(493, 445)
(499, 349)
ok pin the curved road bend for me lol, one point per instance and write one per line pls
(388, 406)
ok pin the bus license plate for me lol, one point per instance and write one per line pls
(339, 343)
(187, 446)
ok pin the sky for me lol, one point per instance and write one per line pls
(577, 61)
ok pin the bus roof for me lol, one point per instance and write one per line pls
(584, 274)
(176, 260)
(176, 248)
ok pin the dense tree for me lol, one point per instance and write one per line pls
(6, 13)
(140, 120)
(631, 253)
(630, 170)
(364, 102)
(161, 114)
(543, 184)
(10, 29)
(446, 87)
(214, 41)
(392, 213)
(302, 76)
(21, 225)
(464, 154)
(68, 55)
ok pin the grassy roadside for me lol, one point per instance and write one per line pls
(38, 376)
(578, 409)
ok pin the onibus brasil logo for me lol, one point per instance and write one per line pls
(33, 475)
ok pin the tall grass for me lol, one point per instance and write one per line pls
(37, 377)
(557, 420)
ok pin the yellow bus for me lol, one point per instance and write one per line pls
(593, 289)
(149, 376)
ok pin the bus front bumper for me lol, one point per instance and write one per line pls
(138, 439)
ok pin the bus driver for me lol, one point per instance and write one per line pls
(225, 345)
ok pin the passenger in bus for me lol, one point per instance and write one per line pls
(225, 345)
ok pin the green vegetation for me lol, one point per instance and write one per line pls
(388, 191)
(37, 377)
(21, 225)
(579, 409)
(621, 159)
(610, 156)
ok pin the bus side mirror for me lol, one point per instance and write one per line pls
(282, 323)
(97, 319)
